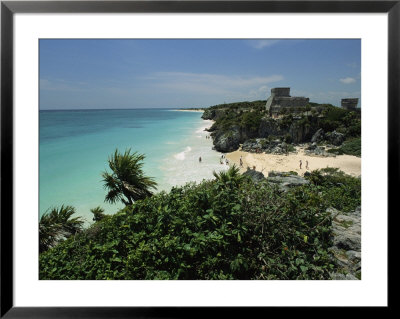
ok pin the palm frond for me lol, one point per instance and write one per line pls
(56, 225)
(127, 181)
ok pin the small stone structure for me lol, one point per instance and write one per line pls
(280, 98)
(349, 104)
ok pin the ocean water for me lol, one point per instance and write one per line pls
(75, 145)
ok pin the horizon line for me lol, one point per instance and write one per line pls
(136, 108)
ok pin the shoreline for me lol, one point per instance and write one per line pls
(183, 166)
(284, 163)
(183, 110)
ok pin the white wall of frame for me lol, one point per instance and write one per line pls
(371, 290)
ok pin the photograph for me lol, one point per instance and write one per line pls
(199, 159)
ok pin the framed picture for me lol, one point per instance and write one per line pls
(89, 88)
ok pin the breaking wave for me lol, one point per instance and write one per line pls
(181, 156)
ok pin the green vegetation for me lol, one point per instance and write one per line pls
(352, 147)
(251, 120)
(344, 191)
(288, 138)
(349, 147)
(246, 115)
(289, 148)
(257, 105)
(341, 120)
(226, 228)
(98, 213)
(127, 182)
(56, 225)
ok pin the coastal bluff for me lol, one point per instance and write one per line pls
(244, 122)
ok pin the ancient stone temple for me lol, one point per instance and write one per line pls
(280, 98)
(349, 104)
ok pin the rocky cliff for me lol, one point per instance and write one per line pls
(237, 123)
(229, 139)
(346, 249)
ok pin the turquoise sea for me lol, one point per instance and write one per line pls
(75, 145)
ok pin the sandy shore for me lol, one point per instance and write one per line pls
(189, 110)
(282, 163)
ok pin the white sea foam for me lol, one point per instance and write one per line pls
(184, 167)
(182, 155)
(206, 124)
(201, 130)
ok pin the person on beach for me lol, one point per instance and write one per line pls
(226, 162)
(200, 159)
(241, 161)
(306, 164)
(300, 163)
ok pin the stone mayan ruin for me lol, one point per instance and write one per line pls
(280, 98)
(349, 104)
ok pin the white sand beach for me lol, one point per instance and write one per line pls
(184, 110)
(284, 163)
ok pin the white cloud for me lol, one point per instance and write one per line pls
(259, 44)
(348, 80)
(205, 83)
(166, 89)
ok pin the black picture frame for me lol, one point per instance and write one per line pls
(9, 8)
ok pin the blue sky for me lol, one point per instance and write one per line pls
(99, 74)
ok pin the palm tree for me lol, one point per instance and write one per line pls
(230, 177)
(127, 181)
(57, 225)
(98, 213)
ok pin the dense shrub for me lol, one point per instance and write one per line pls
(251, 120)
(341, 120)
(349, 147)
(228, 228)
(240, 105)
(352, 147)
(288, 138)
(335, 113)
(340, 191)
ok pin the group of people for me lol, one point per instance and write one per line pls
(221, 160)
(224, 159)
(301, 163)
